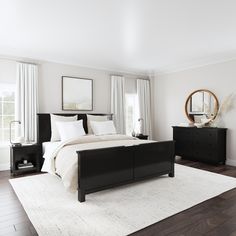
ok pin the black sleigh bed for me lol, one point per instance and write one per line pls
(105, 168)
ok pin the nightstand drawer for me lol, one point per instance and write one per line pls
(142, 136)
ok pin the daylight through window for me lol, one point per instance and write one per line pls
(7, 110)
(131, 113)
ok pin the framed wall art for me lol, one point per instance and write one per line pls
(77, 94)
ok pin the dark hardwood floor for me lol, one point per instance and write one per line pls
(13, 219)
(215, 217)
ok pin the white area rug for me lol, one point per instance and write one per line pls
(118, 211)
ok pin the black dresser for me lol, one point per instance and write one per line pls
(200, 144)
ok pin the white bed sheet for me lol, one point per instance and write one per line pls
(47, 146)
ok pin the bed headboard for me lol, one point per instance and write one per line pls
(44, 124)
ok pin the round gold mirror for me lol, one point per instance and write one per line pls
(201, 106)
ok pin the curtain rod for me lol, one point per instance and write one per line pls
(30, 63)
(144, 78)
(116, 75)
(17, 60)
(132, 75)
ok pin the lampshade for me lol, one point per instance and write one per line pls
(14, 143)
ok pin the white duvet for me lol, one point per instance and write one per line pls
(61, 157)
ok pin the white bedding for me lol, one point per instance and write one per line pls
(61, 157)
(47, 146)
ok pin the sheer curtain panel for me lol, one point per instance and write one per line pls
(27, 100)
(118, 102)
(144, 98)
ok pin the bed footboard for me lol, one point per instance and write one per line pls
(153, 159)
(104, 168)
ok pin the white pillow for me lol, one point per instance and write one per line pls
(70, 129)
(103, 127)
(54, 131)
(94, 118)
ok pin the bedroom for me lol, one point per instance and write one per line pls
(174, 48)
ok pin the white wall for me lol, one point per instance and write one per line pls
(50, 86)
(171, 91)
(7, 75)
(50, 89)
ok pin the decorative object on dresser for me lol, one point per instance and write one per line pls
(25, 158)
(205, 145)
(201, 107)
(141, 136)
(227, 105)
(77, 94)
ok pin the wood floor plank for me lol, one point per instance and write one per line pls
(229, 194)
(187, 231)
(227, 229)
(213, 221)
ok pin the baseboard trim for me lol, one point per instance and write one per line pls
(231, 162)
(5, 166)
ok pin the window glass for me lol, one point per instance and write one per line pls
(131, 113)
(7, 110)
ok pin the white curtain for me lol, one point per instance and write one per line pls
(118, 102)
(144, 98)
(27, 100)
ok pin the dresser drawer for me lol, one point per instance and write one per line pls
(205, 155)
(182, 134)
(204, 145)
(202, 136)
(183, 141)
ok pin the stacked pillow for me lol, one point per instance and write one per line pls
(55, 136)
(100, 125)
(70, 130)
(103, 127)
(68, 127)
(94, 118)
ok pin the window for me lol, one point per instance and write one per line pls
(7, 110)
(131, 113)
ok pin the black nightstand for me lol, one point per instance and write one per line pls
(31, 153)
(141, 136)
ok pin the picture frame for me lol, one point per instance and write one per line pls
(77, 94)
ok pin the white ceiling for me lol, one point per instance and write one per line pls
(123, 35)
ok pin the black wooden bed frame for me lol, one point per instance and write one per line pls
(104, 168)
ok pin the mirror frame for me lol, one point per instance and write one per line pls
(201, 90)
